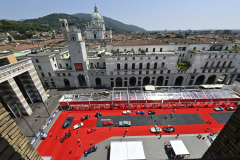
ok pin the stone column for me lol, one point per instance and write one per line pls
(14, 144)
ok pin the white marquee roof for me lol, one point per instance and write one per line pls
(127, 150)
(179, 147)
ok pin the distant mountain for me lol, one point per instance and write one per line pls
(52, 20)
(112, 23)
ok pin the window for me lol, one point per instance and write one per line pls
(141, 58)
(154, 72)
(215, 70)
(125, 58)
(53, 58)
(148, 58)
(180, 55)
(203, 71)
(153, 49)
(179, 48)
(192, 77)
(222, 56)
(73, 37)
(155, 65)
(111, 79)
(184, 49)
(133, 72)
(156, 58)
(167, 77)
(168, 71)
(160, 49)
(66, 64)
(209, 56)
(227, 56)
(49, 74)
(163, 65)
(161, 72)
(37, 60)
(60, 65)
(164, 57)
(118, 58)
(181, 71)
(42, 74)
(139, 78)
(226, 70)
(209, 70)
(234, 56)
(215, 56)
(91, 65)
(118, 73)
(53, 85)
(133, 58)
(55, 65)
(235, 70)
(140, 66)
(118, 66)
(133, 66)
(64, 74)
(212, 64)
(111, 73)
(191, 56)
(126, 66)
(125, 78)
(39, 67)
(148, 65)
(147, 72)
(194, 48)
(203, 48)
(104, 64)
(146, 49)
(58, 74)
(69, 74)
(46, 84)
(97, 64)
(125, 72)
(183, 55)
(220, 70)
(140, 72)
(51, 79)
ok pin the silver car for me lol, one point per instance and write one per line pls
(155, 129)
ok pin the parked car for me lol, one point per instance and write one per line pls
(78, 125)
(124, 123)
(98, 114)
(91, 129)
(126, 112)
(140, 112)
(168, 129)
(85, 117)
(230, 109)
(90, 150)
(152, 112)
(218, 109)
(66, 124)
(110, 122)
(43, 135)
(155, 129)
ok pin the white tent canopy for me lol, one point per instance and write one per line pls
(127, 150)
(179, 147)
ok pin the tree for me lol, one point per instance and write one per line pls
(53, 36)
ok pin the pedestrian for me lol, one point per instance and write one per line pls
(124, 134)
(70, 151)
(177, 135)
(91, 142)
(156, 119)
(78, 140)
(116, 125)
(80, 144)
(161, 135)
(151, 116)
(70, 115)
(44, 122)
(110, 128)
(126, 129)
(38, 115)
(198, 135)
(157, 124)
(77, 132)
(35, 119)
(56, 136)
(210, 122)
(50, 134)
(166, 117)
(38, 106)
(172, 116)
(207, 129)
(203, 138)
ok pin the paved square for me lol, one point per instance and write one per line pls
(146, 120)
(221, 117)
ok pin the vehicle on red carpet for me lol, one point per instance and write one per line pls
(91, 129)
(168, 129)
(155, 129)
(152, 112)
(219, 109)
(90, 150)
(124, 123)
(110, 122)
(140, 112)
(98, 114)
(78, 125)
(126, 112)
(230, 109)
(85, 117)
(66, 124)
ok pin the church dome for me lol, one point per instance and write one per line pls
(96, 15)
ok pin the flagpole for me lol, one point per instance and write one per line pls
(44, 104)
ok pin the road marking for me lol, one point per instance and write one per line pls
(105, 119)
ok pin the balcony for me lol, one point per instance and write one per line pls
(226, 67)
(151, 69)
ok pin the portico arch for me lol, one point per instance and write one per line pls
(82, 80)
(66, 82)
(159, 81)
(211, 79)
(132, 81)
(146, 81)
(178, 81)
(200, 80)
(98, 82)
(118, 82)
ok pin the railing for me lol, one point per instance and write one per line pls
(218, 67)
(141, 69)
(16, 65)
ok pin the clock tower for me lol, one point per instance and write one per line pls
(77, 51)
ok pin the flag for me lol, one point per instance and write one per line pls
(19, 112)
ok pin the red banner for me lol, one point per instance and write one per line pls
(78, 66)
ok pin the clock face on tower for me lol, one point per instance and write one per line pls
(77, 46)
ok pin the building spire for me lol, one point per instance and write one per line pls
(95, 8)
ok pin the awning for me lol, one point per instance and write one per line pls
(150, 88)
(179, 147)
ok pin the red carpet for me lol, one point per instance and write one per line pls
(60, 151)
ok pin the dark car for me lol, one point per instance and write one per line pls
(66, 124)
(168, 129)
(152, 112)
(90, 150)
(140, 112)
(85, 117)
(230, 109)
(98, 114)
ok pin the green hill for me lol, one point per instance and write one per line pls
(21, 27)
(112, 23)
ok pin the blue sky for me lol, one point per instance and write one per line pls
(148, 14)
